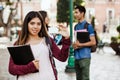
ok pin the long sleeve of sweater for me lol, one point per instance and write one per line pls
(21, 69)
(61, 54)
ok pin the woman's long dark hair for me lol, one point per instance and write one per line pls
(24, 32)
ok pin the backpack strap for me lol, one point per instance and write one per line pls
(48, 41)
(96, 37)
(49, 44)
(75, 27)
(86, 25)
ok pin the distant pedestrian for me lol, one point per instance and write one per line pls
(46, 20)
(104, 28)
(57, 37)
(82, 51)
(34, 33)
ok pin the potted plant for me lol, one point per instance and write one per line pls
(115, 42)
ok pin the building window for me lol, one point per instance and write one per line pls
(110, 16)
(90, 13)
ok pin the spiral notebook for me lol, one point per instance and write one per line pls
(21, 55)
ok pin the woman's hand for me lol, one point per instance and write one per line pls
(64, 31)
(36, 63)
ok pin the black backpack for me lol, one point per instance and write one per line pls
(93, 48)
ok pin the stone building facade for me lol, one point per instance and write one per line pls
(106, 12)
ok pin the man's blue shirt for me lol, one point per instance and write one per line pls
(86, 51)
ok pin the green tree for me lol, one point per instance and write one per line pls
(78, 2)
(63, 11)
(118, 29)
(93, 22)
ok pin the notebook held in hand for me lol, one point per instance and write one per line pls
(21, 55)
(83, 37)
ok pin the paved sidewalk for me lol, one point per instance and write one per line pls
(103, 67)
(4, 59)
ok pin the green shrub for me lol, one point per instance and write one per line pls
(118, 29)
(117, 38)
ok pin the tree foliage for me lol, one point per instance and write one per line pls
(93, 22)
(118, 29)
(78, 2)
(63, 11)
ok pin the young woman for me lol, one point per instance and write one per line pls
(34, 33)
(57, 37)
(46, 20)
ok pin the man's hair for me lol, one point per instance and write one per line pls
(81, 8)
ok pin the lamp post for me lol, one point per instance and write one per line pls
(70, 66)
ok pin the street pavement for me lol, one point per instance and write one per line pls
(105, 65)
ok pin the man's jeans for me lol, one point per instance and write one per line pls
(82, 67)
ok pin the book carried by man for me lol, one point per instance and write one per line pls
(21, 55)
(82, 36)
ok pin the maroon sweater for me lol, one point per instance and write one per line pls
(60, 54)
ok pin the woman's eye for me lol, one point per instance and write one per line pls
(32, 23)
(38, 23)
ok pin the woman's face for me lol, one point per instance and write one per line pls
(34, 26)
